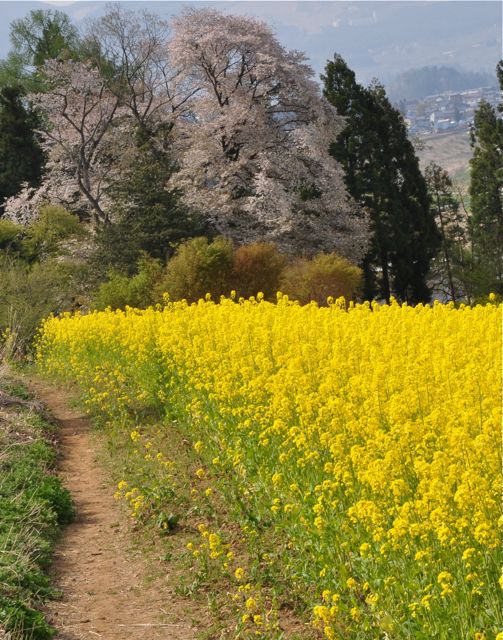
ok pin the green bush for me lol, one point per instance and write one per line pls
(197, 268)
(10, 236)
(44, 237)
(136, 291)
(29, 293)
(38, 276)
(328, 274)
(257, 267)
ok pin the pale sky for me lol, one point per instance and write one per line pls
(379, 38)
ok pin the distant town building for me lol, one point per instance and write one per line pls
(447, 111)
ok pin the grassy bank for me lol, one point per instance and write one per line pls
(33, 507)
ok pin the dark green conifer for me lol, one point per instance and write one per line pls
(21, 157)
(486, 195)
(382, 174)
(147, 214)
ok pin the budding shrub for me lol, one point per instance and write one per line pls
(45, 236)
(197, 268)
(10, 236)
(257, 267)
(136, 291)
(29, 293)
(328, 274)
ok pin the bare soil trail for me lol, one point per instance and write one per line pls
(107, 589)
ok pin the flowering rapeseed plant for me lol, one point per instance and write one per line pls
(368, 437)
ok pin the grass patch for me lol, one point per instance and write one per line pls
(34, 506)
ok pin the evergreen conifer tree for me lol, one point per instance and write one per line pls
(382, 174)
(486, 193)
(147, 215)
(21, 158)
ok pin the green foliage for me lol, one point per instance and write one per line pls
(327, 274)
(21, 158)
(33, 505)
(13, 73)
(148, 215)
(46, 235)
(137, 291)
(42, 35)
(486, 193)
(257, 267)
(199, 267)
(37, 275)
(11, 235)
(29, 293)
(382, 174)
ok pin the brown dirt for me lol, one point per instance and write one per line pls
(452, 151)
(108, 590)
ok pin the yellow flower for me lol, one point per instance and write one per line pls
(377, 425)
(351, 583)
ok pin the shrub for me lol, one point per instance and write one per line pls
(328, 274)
(45, 235)
(198, 267)
(10, 235)
(257, 267)
(138, 291)
(29, 293)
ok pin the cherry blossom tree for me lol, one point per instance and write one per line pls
(81, 143)
(130, 50)
(94, 110)
(249, 129)
(254, 147)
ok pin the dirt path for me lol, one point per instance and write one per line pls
(107, 590)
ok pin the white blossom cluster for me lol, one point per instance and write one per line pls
(250, 129)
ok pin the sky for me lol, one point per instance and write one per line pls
(377, 39)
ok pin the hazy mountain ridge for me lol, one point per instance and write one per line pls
(418, 83)
(378, 39)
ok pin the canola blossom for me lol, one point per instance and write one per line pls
(368, 439)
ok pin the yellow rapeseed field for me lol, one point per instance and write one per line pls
(367, 439)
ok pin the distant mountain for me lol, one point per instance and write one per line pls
(416, 84)
(377, 39)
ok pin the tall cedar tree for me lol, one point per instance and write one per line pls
(21, 158)
(486, 192)
(148, 217)
(382, 174)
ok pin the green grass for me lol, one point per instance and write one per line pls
(33, 507)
